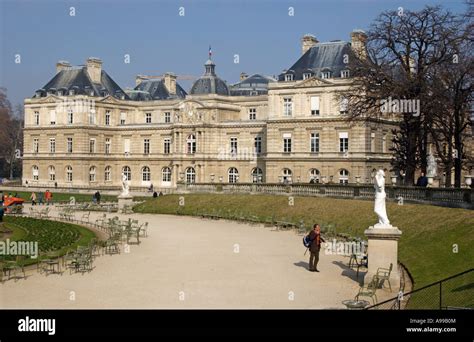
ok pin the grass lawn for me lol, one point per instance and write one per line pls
(61, 197)
(429, 233)
(52, 237)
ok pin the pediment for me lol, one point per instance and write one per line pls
(110, 99)
(49, 99)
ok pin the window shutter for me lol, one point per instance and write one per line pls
(126, 147)
(52, 114)
(314, 103)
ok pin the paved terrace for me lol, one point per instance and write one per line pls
(188, 262)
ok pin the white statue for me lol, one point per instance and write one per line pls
(125, 186)
(431, 167)
(380, 195)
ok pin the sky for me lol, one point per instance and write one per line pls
(158, 39)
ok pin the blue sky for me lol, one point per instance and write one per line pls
(158, 40)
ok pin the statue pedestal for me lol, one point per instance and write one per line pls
(124, 201)
(383, 251)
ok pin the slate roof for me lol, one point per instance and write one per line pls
(256, 84)
(321, 57)
(209, 83)
(78, 79)
(155, 89)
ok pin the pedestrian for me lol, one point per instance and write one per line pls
(33, 198)
(315, 238)
(97, 197)
(48, 195)
(155, 194)
(40, 198)
(422, 180)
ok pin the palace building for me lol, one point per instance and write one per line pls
(82, 130)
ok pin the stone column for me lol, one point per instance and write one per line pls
(383, 251)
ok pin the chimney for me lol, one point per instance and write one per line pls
(243, 76)
(94, 69)
(358, 43)
(307, 42)
(170, 83)
(62, 65)
(139, 79)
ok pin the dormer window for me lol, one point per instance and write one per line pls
(306, 75)
(344, 73)
(288, 77)
(325, 74)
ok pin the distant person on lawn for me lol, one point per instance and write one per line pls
(33, 198)
(40, 198)
(315, 247)
(49, 197)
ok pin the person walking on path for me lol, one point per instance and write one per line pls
(49, 196)
(40, 198)
(33, 198)
(315, 247)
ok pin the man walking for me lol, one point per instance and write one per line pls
(315, 247)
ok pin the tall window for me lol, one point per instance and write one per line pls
(35, 145)
(252, 113)
(52, 115)
(190, 175)
(287, 175)
(52, 173)
(372, 142)
(37, 118)
(146, 174)
(191, 144)
(288, 106)
(146, 146)
(167, 117)
(343, 142)
(127, 172)
(68, 173)
(314, 142)
(107, 145)
(69, 145)
(108, 174)
(233, 175)
(314, 176)
(167, 146)
(92, 145)
(92, 172)
(107, 117)
(343, 176)
(52, 145)
(314, 105)
(257, 175)
(343, 105)
(92, 117)
(286, 143)
(258, 145)
(35, 172)
(166, 174)
(147, 118)
(70, 116)
(233, 146)
(123, 118)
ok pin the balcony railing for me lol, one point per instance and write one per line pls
(451, 197)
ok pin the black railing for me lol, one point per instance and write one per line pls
(455, 292)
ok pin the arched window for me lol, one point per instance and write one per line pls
(233, 175)
(314, 176)
(146, 174)
(343, 176)
(92, 172)
(68, 173)
(35, 172)
(52, 173)
(166, 174)
(108, 174)
(191, 144)
(190, 175)
(257, 175)
(127, 172)
(286, 176)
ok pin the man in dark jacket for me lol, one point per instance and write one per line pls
(315, 247)
(422, 180)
